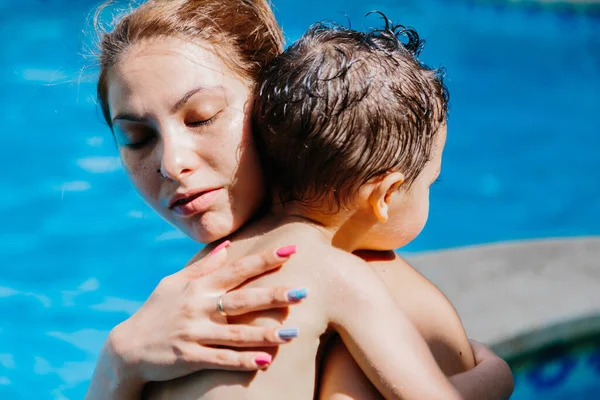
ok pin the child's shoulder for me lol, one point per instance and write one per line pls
(430, 310)
(326, 262)
(331, 258)
(347, 273)
(309, 245)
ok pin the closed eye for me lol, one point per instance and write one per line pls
(134, 138)
(139, 144)
(203, 123)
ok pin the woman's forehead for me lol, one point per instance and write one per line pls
(171, 60)
(166, 70)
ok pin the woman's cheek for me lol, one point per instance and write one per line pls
(141, 177)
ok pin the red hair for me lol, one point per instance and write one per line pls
(244, 32)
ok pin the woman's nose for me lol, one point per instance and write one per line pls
(179, 157)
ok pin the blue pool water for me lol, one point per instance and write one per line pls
(79, 251)
(564, 372)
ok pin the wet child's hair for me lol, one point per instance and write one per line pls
(340, 107)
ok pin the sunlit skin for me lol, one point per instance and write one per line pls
(179, 118)
(192, 133)
(396, 217)
(408, 213)
(190, 136)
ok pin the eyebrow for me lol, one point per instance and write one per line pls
(185, 99)
(178, 106)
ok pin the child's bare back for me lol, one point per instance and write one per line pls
(292, 372)
(342, 287)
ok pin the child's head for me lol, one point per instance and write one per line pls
(352, 120)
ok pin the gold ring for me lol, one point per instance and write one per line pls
(220, 307)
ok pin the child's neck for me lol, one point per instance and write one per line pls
(343, 229)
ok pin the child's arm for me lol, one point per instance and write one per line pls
(381, 338)
(491, 379)
(342, 378)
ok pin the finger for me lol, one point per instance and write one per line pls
(211, 262)
(231, 360)
(243, 301)
(248, 336)
(235, 274)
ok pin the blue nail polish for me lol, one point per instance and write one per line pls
(297, 294)
(288, 333)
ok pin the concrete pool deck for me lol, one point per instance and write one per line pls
(507, 292)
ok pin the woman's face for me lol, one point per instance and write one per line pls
(181, 120)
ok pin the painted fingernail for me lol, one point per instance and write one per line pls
(262, 361)
(288, 333)
(220, 247)
(286, 251)
(297, 294)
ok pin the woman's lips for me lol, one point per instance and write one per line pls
(195, 204)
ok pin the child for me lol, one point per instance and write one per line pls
(350, 128)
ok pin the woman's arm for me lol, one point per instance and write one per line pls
(176, 331)
(111, 379)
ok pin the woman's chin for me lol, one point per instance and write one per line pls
(208, 231)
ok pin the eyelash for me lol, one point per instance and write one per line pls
(204, 123)
(139, 145)
(438, 180)
(195, 125)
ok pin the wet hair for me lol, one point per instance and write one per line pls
(244, 33)
(340, 107)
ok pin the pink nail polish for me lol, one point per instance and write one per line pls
(220, 247)
(262, 361)
(286, 251)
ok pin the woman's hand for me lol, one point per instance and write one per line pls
(179, 329)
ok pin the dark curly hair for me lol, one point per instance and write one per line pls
(340, 107)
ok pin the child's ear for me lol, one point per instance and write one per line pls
(380, 198)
